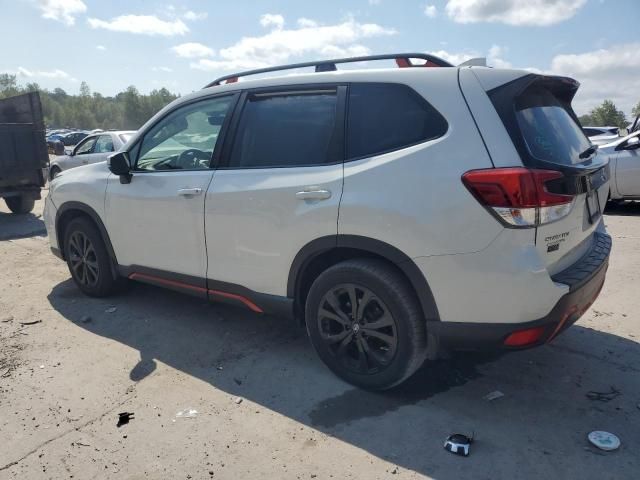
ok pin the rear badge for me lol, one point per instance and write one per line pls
(553, 241)
(553, 248)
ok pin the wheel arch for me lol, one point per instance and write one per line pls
(321, 253)
(71, 210)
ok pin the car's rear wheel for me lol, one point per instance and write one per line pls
(88, 259)
(20, 204)
(365, 323)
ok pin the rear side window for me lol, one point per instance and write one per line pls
(548, 128)
(385, 117)
(286, 130)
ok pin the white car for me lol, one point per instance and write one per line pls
(624, 159)
(396, 212)
(601, 135)
(93, 149)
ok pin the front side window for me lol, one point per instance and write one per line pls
(286, 130)
(385, 117)
(86, 146)
(186, 138)
(104, 144)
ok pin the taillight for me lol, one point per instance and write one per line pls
(519, 196)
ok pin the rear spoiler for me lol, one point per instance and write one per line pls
(475, 62)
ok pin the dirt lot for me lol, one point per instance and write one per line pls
(266, 406)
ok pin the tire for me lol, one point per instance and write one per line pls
(389, 341)
(20, 204)
(54, 172)
(88, 259)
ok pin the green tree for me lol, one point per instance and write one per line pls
(636, 110)
(87, 110)
(607, 114)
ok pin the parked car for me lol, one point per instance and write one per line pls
(445, 208)
(92, 149)
(601, 135)
(624, 159)
(23, 151)
(73, 138)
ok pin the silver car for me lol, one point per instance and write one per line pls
(601, 135)
(93, 149)
(624, 161)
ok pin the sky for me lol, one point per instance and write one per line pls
(184, 44)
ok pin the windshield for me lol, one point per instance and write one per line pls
(549, 130)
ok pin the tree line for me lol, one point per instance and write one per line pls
(607, 114)
(127, 110)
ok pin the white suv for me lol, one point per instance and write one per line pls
(396, 212)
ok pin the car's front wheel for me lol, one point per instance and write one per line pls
(88, 259)
(366, 324)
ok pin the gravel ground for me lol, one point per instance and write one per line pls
(266, 407)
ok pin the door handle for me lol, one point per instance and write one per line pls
(313, 193)
(187, 192)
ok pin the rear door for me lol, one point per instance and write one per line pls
(536, 111)
(278, 186)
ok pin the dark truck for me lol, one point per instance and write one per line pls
(23, 151)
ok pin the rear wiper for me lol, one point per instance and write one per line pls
(588, 152)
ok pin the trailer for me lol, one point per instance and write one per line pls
(23, 151)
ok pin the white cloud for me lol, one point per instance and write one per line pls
(193, 16)
(430, 11)
(281, 45)
(513, 12)
(63, 11)
(609, 73)
(272, 20)
(494, 56)
(141, 24)
(101, 47)
(192, 50)
(307, 22)
(375, 2)
(162, 69)
(52, 74)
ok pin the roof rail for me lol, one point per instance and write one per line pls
(403, 60)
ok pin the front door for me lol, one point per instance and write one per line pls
(157, 221)
(277, 188)
(628, 170)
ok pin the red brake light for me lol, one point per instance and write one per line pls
(519, 196)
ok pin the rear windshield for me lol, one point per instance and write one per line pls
(549, 130)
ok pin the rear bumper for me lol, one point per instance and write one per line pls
(585, 280)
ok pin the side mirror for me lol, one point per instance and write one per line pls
(632, 143)
(119, 165)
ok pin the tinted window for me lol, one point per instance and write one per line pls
(186, 138)
(384, 117)
(278, 130)
(549, 130)
(104, 144)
